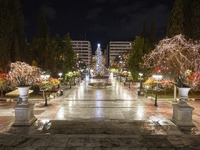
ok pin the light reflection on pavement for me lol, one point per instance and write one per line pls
(83, 103)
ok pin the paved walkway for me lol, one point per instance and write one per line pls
(112, 118)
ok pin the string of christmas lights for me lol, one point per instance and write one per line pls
(100, 69)
(178, 55)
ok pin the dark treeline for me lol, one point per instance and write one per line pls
(49, 53)
(184, 19)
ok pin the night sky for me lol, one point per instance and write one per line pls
(98, 21)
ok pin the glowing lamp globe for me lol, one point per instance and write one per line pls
(140, 74)
(60, 74)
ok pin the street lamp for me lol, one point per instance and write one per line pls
(140, 74)
(61, 91)
(158, 78)
(70, 79)
(82, 74)
(129, 74)
(60, 74)
(74, 78)
(45, 77)
(91, 72)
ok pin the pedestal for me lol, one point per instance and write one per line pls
(182, 114)
(24, 115)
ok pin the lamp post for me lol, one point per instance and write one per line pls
(129, 73)
(81, 74)
(157, 77)
(70, 79)
(140, 74)
(60, 74)
(61, 91)
(74, 78)
(91, 73)
(45, 77)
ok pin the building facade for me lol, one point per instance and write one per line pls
(115, 49)
(83, 50)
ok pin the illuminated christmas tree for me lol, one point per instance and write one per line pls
(99, 69)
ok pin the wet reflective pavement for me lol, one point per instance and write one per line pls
(111, 118)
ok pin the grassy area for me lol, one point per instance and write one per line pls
(194, 94)
(40, 95)
(31, 96)
(36, 96)
(169, 94)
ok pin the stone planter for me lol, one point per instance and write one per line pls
(24, 115)
(23, 94)
(182, 115)
(182, 112)
(24, 111)
(183, 93)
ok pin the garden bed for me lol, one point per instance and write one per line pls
(32, 96)
(170, 94)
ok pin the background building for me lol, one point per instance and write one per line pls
(84, 51)
(116, 48)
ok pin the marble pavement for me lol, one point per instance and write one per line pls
(112, 118)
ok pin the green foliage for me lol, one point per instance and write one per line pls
(17, 51)
(76, 74)
(12, 39)
(147, 43)
(152, 35)
(50, 59)
(42, 44)
(54, 54)
(39, 47)
(144, 31)
(18, 40)
(3, 84)
(69, 56)
(196, 20)
(55, 48)
(46, 49)
(21, 80)
(180, 81)
(150, 82)
(46, 85)
(113, 70)
(6, 84)
(68, 76)
(34, 63)
(42, 28)
(63, 53)
(180, 19)
(36, 89)
(135, 57)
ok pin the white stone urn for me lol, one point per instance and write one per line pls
(182, 112)
(24, 111)
(183, 93)
(23, 93)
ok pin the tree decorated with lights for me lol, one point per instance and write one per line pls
(99, 69)
(178, 56)
(23, 74)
